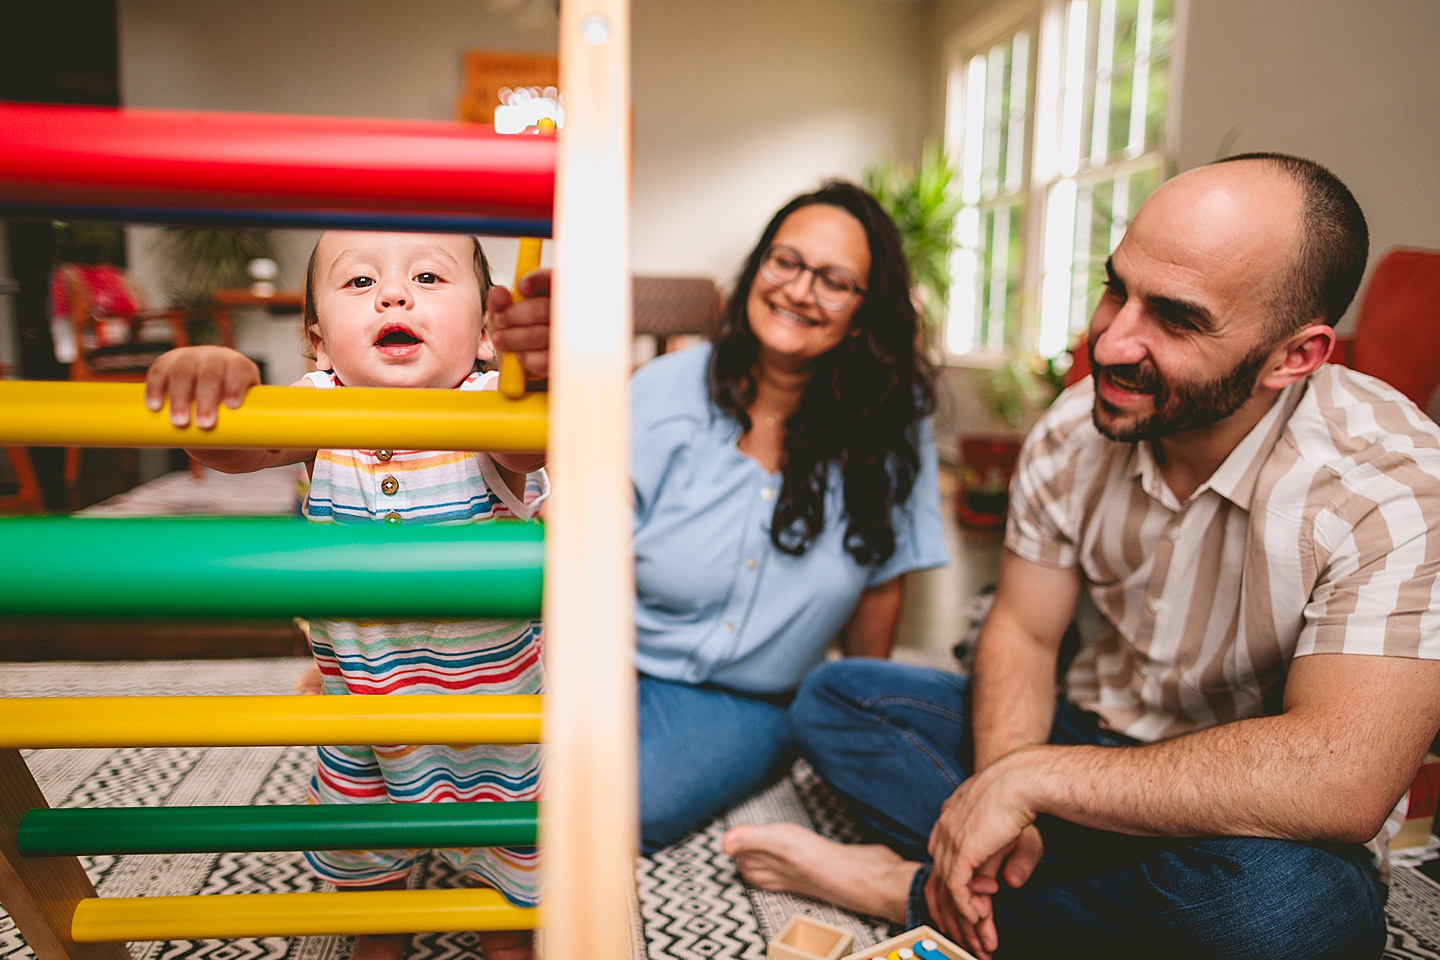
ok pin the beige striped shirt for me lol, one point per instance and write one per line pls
(1320, 533)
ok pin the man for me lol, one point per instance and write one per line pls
(1245, 537)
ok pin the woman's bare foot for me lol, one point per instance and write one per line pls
(507, 945)
(866, 878)
(390, 946)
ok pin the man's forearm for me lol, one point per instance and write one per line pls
(1279, 777)
(1328, 768)
(1012, 695)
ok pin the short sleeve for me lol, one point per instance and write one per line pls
(1039, 525)
(918, 526)
(1378, 559)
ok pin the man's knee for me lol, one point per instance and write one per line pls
(1276, 899)
(850, 693)
(1223, 899)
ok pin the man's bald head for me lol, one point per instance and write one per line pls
(1329, 248)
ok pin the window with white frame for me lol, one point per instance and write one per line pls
(1058, 126)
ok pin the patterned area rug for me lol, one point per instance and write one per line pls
(690, 903)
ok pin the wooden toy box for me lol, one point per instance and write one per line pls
(908, 939)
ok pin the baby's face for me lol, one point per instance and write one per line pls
(397, 309)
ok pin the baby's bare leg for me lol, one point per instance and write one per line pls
(508, 944)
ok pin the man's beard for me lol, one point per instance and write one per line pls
(1177, 406)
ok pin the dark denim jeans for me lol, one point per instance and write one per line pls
(701, 750)
(895, 741)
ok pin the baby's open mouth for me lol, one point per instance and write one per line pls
(396, 337)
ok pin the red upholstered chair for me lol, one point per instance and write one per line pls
(115, 340)
(1397, 332)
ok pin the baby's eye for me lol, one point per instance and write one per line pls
(359, 282)
(426, 278)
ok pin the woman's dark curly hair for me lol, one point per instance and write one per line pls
(863, 406)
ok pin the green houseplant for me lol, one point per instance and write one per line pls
(923, 202)
(205, 259)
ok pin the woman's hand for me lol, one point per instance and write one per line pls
(522, 327)
(202, 376)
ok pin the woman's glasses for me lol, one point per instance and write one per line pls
(832, 289)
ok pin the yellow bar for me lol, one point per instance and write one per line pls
(512, 375)
(47, 413)
(106, 919)
(35, 722)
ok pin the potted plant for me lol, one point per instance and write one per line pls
(1013, 394)
(206, 259)
(923, 204)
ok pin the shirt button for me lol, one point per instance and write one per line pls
(1156, 606)
(1174, 534)
(729, 626)
(767, 493)
(749, 563)
(389, 485)
(384, 454)
(392, 517)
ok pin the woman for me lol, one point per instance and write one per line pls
(784, 483)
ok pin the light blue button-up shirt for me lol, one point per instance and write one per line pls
(717, 603)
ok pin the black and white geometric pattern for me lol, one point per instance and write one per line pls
(690, 903)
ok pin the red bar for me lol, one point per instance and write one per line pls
(171, 159)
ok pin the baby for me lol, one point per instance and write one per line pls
(398, 310)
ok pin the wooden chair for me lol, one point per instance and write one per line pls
(667, 307)
(26, 497)
(114, 339)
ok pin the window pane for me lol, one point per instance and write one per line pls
(1122, 89)
(1014, 276)
(1159, 96)
(1162, 25)
(987, 270)
(1126, 19)
(987, 277)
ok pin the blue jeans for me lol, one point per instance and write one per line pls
(701, 750)
(894, 740)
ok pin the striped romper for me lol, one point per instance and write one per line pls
(368, 657)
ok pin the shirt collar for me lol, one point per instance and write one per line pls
(1235, 478)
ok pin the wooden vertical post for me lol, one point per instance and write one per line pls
(589, 816)
(40, 895)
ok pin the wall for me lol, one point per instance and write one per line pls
(741, 104)
(1355, 86)
(738, 104)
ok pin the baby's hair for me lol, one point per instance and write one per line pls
(312, 318)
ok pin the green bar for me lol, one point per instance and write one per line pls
(267, 566)
(358, 826)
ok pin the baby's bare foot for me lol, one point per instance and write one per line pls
(865, 878)
(390, 946)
